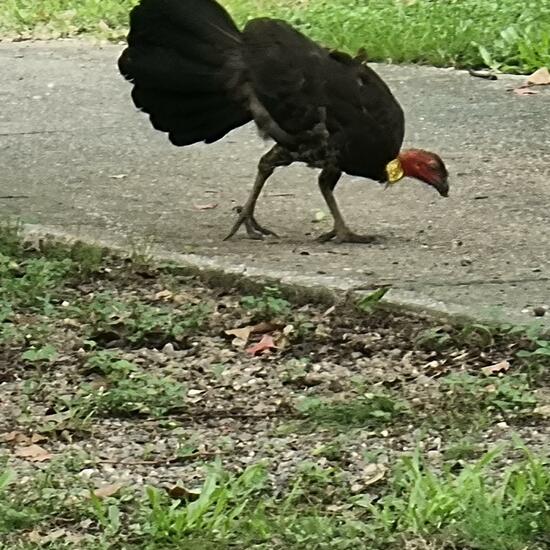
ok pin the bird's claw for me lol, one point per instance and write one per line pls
(347, 236)
(253, 229)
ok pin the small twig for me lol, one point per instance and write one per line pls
(14, 197)
(173, 461)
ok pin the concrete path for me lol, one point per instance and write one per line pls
(76, 155)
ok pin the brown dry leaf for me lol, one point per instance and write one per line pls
(208, 206)
(265, 344)
(497, 368)
(373, 473)
(181, 493)
(541, 77)
(15, 438)
(108, 490)
(18, 438)
(33, 453)
(164, 295)
(524, 91)
(240, 333)
(261, 328)
(543, 410)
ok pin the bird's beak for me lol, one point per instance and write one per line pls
(442, 187)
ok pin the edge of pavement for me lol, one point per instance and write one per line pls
(300, 289)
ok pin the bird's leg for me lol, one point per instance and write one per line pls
(276, 156)
(328, 178)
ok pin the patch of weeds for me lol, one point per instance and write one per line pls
(468, 399)
(13, 515)
(43, 354)
(461, 450)
(294, 371)
(138, 323)
(332, 451)
(316, 484)
(473, 508)
(32, 283)
(444, 337)
(126, 390)
(11, 244)
(369, 410)
(87, 258)
(53, 497)
(267, 306)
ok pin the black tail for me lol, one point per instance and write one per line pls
(177, 58)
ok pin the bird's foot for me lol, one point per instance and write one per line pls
(253, 229)
(347, 236)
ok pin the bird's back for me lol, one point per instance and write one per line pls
(302, 84)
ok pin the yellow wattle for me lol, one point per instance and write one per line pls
(394, 171)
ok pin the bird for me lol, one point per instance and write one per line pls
(198, 77)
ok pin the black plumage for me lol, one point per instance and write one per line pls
(199, 77)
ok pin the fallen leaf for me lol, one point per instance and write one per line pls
(373, 473)
(15, 437)
(543, 410)
(34, 453)
(164, 295)
(524, 91)
(240, 333)
(108, 490)
(208, 206)
(289, 329)
(265, 344)
(541, 77)
(497, 368)
(37, 438)
(181, 493)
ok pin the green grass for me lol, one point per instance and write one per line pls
(367, 411)
(505, 34)
(471, 509)
(126, 390)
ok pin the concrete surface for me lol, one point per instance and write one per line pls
(76, 155)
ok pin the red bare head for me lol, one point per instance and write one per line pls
(427, 167)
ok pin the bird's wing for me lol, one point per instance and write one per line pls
(284, 70)
(304, 87)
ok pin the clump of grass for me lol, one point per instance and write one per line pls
(369, 410)
(472, 509)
